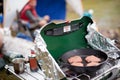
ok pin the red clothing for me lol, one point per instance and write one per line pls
(23, 12)
(1, 55)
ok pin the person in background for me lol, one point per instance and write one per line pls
(29, 14)
(30, 20)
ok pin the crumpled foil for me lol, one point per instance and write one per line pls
(48, 65)
(97, 41)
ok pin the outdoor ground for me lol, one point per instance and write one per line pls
(106, 12)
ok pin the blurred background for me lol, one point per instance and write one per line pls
(106, 15)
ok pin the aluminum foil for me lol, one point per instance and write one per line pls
(98, 41)
(46, 61)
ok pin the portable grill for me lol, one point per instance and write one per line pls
(109, 71)
(63, 37)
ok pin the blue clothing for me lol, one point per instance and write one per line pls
(1, 19)
(23, 36)
(56, 9)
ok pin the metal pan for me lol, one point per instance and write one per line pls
(84, 53)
